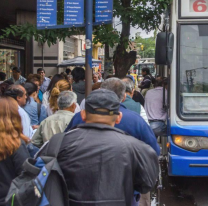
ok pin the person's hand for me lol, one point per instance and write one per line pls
(35, 126)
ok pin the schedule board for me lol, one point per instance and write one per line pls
(46, 13)
(103, 10)
(73, 12)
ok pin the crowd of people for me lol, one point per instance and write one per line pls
(109, 154)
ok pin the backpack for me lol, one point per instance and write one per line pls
(42, 182)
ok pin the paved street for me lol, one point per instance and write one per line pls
(182, 191)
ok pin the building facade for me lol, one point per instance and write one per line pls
(49, 57)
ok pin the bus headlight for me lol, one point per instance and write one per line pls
(190, 143)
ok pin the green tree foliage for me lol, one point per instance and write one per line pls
(148, 47)
(144, 14)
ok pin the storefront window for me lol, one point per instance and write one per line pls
(8, 59)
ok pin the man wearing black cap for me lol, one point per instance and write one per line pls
(16, 76)
(101, 164)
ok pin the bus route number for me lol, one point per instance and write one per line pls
(200, 6)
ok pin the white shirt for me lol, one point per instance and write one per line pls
(82, 105)
(143, 114)
(45, 98)
(25, 120)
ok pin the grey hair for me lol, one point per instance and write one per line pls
(66, 99)
(70, 76)
(129, 85)
(115, 85)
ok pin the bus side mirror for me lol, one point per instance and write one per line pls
(164, 48)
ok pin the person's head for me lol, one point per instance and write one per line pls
(31, 89)
(3, 87)
(130, 77)
(11, 127)
(145, 71)
(36, 79)
(18, 93)
(96, 86)
(160, 82)
(41, 72)
(129, 86)
(102, 106)
(115, 85)
(95, 78)
(68, 71)
(158, 78)
(9, 81)
(78, 74)
(64, 75)
(54, 80)
(67, 101)
(70, 79)
(2, 76)
(59, 87)
(16, 72)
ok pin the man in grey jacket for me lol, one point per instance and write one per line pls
(101, 164)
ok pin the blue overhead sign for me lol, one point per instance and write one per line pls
(73, 12)
(103, 10)
(46, 13)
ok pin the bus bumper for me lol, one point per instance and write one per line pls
(187, 166)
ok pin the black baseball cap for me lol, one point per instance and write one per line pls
(102, 99)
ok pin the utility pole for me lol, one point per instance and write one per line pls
(88, 65)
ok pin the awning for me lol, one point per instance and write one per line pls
(79, 61)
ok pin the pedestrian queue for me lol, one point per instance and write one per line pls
(106, 152)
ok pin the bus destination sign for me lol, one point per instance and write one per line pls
(195, 9)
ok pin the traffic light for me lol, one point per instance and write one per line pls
(142, 47)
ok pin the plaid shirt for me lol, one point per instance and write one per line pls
(21, 80)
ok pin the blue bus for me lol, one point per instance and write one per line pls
(187, 145)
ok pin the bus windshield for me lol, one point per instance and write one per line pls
(193, 71)
(150, 66)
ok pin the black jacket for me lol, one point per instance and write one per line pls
(148, 79)
(10, 168)
(103, 166)
(79, 89)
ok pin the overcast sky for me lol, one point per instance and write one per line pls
(133, 30)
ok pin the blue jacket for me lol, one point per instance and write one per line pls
(132, 123)
(32, 110)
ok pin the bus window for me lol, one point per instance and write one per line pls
(193, 71)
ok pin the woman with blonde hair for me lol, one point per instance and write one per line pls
(13, 151)
(60, 86)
